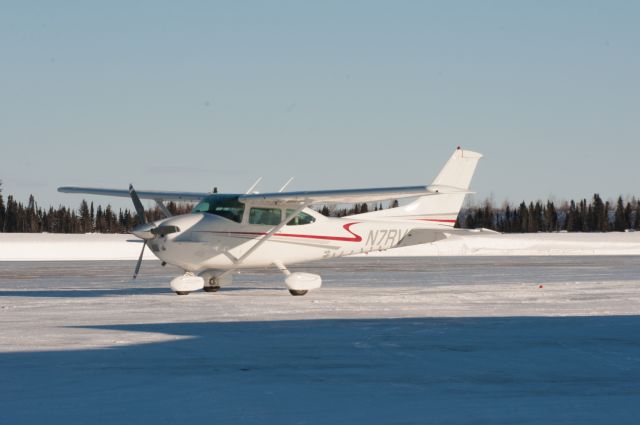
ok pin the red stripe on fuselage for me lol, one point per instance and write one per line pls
(436, 220)
(355, 238)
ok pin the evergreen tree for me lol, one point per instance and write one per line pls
(507, 227)
(91, 219)
(600, 214)
(109, 220)
(551, 218)
(620, 217)
(469, 221)
(85, 218)
(628, 213)
(524, 218)
(586, 216)
(11, 217)
(31, 221)
(99, 225)
(3, 210)
(534, 217)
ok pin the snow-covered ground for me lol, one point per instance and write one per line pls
(444, 340)
(56, 247)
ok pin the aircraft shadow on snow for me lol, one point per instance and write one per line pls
(412, 370)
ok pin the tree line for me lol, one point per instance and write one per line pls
(595, 215)
(16, 217)
(581, 216)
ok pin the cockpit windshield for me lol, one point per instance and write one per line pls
(224, 206)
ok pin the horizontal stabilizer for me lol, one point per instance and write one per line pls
(424, 236)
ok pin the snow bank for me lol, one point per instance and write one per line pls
(57, 247)
(62, 247)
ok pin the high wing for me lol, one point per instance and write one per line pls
(306, 197)
(143, 194)
(347, 196)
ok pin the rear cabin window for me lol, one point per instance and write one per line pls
(300, 219)
(229, 207)
(268, 216)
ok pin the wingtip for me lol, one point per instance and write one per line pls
(465, 153)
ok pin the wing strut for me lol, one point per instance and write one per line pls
(251, 189)
(163, 208)
(285, 185)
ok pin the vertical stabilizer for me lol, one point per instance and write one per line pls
(441, 209)
(458, 171)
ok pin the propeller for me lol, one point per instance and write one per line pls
(146, 230)
(140, 212)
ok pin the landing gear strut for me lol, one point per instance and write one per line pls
(214, 280)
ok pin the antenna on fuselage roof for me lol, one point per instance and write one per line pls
(254, 186)
(285, 185)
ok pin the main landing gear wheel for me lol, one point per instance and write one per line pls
(183, 292)
(296, 292)
(211, 288)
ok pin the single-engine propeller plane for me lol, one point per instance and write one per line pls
(228, 232)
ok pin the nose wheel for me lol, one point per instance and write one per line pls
(214, 279)
(297, 292)
(210, 288)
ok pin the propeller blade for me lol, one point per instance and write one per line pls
(135, 273)
(137, 204)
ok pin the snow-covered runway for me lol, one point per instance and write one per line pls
(385, 341)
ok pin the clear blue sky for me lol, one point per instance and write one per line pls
(191, 95)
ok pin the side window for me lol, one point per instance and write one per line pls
(231, 212)
(201, 207)
(269, 216)
(300, 219)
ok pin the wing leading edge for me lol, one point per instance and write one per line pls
(306, 197)
(143, 194)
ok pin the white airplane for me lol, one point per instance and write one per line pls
(228, 232)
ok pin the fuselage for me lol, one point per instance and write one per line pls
(210, 241)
